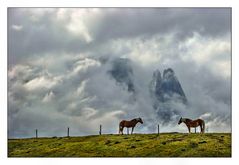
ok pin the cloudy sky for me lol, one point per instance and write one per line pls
(59, 62)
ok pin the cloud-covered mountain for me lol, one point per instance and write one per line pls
(166, 90)
(122, 72)
(167, 87)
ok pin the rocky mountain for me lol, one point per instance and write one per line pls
(122, 72)
(165, 88)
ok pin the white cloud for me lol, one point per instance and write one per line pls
(42, 82)
(48, 97)
(144, 51)
(80, 92)
(80, 21)
(17, 27)
(208, 51)
(78, 28)
(37, 13)
(19, 70)
(84, 64)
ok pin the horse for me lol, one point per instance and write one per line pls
(132, 123)
(193, 123)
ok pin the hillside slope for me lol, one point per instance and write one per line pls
(137, 145)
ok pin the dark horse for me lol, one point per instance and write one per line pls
(193, 123)
(128, 124)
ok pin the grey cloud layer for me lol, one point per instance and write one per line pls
(59, 63)
(44, 32)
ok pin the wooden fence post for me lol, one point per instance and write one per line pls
(36, 134)
(100, 129)
(68, 132)
(158, 129)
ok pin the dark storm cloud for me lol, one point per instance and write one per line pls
(43, 32)
(60, 60)
(39, 36)
(130, 23)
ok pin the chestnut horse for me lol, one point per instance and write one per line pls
(128, 124)
(193, 123)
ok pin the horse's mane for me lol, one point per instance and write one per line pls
(187, 119)
(134, 119)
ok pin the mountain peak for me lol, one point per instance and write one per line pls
(168, 73)
(166, 88)
(122, 72)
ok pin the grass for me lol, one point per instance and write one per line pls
(137, 145)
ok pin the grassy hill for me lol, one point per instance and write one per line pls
(137, 145)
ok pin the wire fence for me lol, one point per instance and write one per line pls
(101, 132)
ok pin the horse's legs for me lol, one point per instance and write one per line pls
(201, 128)
(189, 129)
(132, 130)
(121, 130)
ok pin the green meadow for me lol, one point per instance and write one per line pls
(136, 145)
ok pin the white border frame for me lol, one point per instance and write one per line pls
(4, 4)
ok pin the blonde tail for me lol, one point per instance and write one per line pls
(203, 130)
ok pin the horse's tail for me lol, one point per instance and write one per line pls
(203, 126)
(120, 127)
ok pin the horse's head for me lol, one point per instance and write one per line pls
(180, 121)
(140, 120)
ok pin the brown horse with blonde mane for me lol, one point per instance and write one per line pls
(129, 124)
(193, 123)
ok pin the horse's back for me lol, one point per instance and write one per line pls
(125, 123)
(200, 120)
(122, 123)
(197, 122)
(194, 123)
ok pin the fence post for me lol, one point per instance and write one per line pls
(100, 129)
(158, 129)
(36, 134)
(68, 132)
